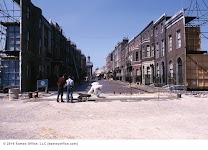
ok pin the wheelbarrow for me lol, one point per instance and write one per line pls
(83, 97)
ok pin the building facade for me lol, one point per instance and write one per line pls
(160, 50)
(89, 66)
(39, 50)
(147, 57)
(166, 52)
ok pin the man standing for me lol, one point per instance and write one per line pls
(61, 82)
(70, 85)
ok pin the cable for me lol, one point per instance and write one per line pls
(206, 37)
(1, 11)
(6, 13)
(6, 7)
(205, 4)
(190, 7)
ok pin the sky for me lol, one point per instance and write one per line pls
(96, 26)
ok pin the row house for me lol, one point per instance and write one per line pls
(166, 51)
(176, 48)
(160, 50)
(109, 65)
(137, 61)
(129, 61)
(147, 55)
(38, 50)
(119, 60)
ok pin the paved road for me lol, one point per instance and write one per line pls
(110, 87)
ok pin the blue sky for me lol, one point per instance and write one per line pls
(96, 26)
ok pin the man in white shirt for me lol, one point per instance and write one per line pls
(70, 86)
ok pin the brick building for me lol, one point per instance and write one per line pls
(119, 64)
(137, 61)
(166, 51)
(41, 51)
(160, 50)
(109, 65)
(147, 57)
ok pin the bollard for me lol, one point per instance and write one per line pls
(36, 94)
(30, 94)
(46, 90)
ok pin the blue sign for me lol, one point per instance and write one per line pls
(42, 83)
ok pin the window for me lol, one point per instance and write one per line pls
(28, 36)
(163, 71)
(171, 69)
(152, 50)
(162, 48)
(158, 70)
(40, 70)
(28, 12)
(111, 56)
(40, 21)
(137, 56)
(151, 31)
(28, 40)
(148, 51)
(148, 70)
(46, 32)
(143, 50)
(13, 38)
(39, 46)
(170, 43)
(157, 50)
(28, 71)
(178, 39)
(161, 27)
(137, 72)
(156, 32)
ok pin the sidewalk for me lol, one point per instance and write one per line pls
(52, 96)
(145, 88)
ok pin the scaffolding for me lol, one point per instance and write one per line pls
(196, 45)
(9, 44)
(198, 9)
(9, 13)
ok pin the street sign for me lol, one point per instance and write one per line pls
(42, 83)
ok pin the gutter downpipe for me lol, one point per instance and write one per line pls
(185, 74)
(21, 42)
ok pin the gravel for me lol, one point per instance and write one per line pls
(183, 118)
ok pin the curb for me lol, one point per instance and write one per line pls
(106, 97)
